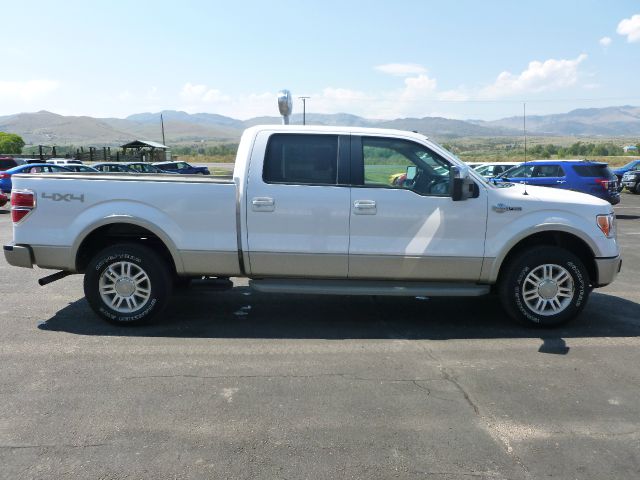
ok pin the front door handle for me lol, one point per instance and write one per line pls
(364, 207)
(263, 204)
(561, 181)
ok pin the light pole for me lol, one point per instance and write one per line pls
(304, 109)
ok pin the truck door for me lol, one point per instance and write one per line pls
(298, 205)
(404, 224)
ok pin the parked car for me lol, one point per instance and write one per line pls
(594, 178)
(182, 167)
(632, 165)
(113, 167)
(490, 170)
(8, 162)
(5, 177)
(475, 165)
(631, 180)
(303, 215)
(81, 168)
(144, 167)
(4, 199)
(64, 161)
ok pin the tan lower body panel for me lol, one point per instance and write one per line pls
(298, 265)
(58, 258)
(198, 262)
(415, 268)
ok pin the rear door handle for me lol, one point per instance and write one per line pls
(561, 181)
(364, 207)
(263, 204)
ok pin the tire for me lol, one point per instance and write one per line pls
(127, 284)
(636, 189)
(544, 287)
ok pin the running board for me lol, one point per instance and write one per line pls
(369, 287)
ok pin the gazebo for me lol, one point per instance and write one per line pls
(146, 151)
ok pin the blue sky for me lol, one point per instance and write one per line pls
(379, 59)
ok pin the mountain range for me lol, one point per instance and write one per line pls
(48, 128)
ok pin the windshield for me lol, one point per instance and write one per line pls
(631, 164)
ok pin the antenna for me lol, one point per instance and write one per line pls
(162, 125)
(524, 130)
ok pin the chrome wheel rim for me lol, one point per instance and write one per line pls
(548, 289)
(125, 287)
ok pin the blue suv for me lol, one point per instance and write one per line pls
(632, 165)
(593, 178)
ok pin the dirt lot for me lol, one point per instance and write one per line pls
(243, 385)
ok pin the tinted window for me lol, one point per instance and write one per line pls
(393, 163)
(309, 159)
(6, 164)
(542, 171)
(601, 171)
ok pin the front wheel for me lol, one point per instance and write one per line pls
(636, 189)
(127, 284)
(544, 287)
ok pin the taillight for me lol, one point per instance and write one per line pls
(603, 182)
(22, 204)
(4, 175)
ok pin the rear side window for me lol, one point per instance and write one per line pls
(301, 159)
(7, 163)
(547, 171)
(600, 171)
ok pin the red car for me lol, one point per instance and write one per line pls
(3, 199)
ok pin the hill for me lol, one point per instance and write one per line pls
(608, 121)
(183, 128)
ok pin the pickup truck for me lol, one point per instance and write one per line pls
(319, 210)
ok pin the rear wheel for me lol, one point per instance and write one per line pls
(127, 284)
(545, 286)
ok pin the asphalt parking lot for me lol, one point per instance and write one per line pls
(235, 384)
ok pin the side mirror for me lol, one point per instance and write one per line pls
(461, 184)
(411, 172)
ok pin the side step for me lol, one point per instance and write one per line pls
(369, 287)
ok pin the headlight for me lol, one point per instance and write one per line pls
(607, 224)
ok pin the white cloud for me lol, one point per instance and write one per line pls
(630, 27)
(605, 41)
(416, 88)
(202, 93)
(27, 91)
(401, 69)
(538, 77)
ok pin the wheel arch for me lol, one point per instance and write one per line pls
(568, 240)
(109, 231)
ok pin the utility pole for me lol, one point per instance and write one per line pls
(304, 109)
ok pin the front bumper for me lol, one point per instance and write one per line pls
(607, 269)
(18, 255)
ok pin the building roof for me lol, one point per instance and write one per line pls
(144, 143)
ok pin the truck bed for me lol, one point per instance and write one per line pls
(194, 215)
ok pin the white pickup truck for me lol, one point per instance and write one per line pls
(320, 210)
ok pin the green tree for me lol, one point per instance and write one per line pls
(11, 143)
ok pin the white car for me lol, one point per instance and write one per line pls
(490, 170)
(64, 161)
(475, 165)
(323, 210)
